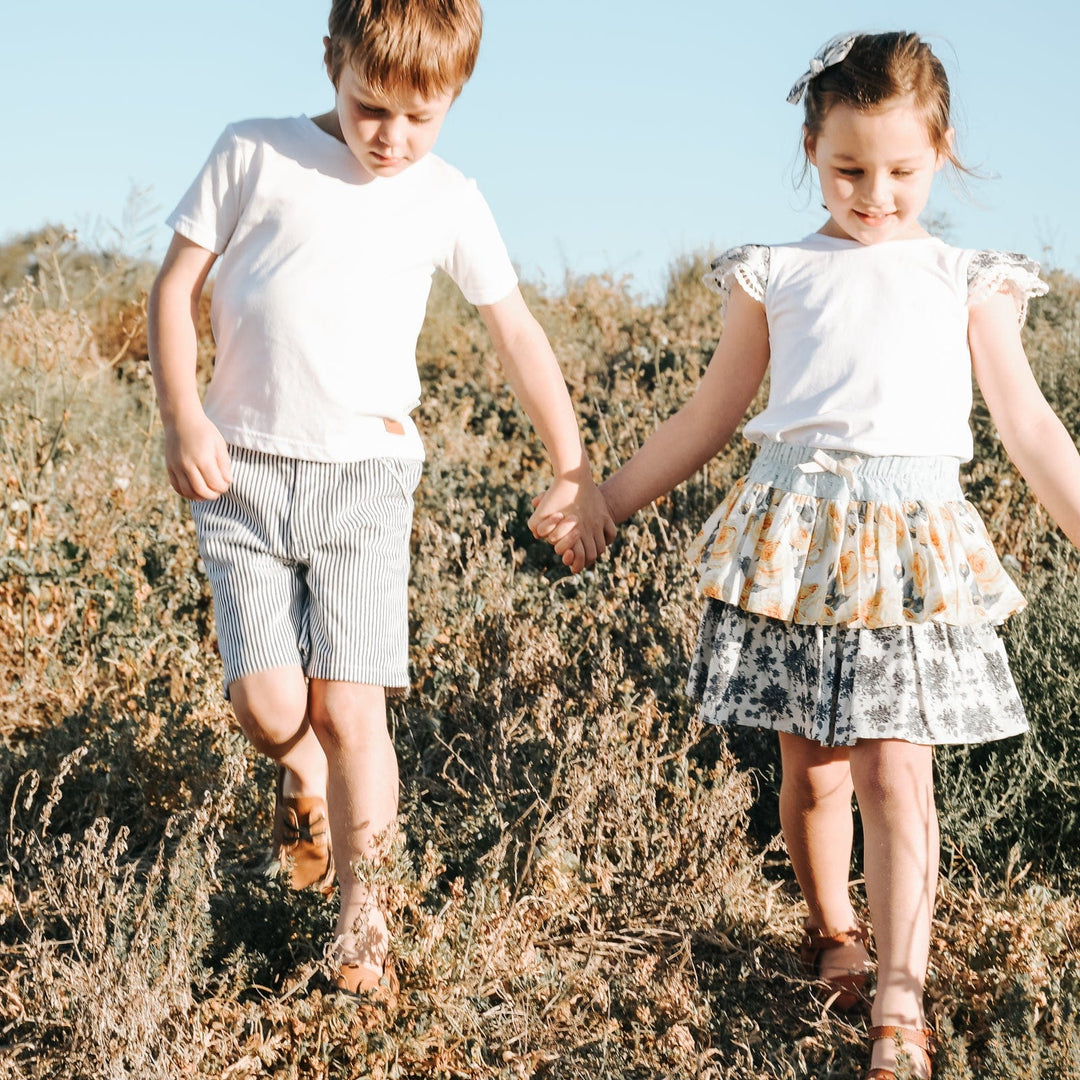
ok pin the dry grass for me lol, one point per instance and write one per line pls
(584, 883)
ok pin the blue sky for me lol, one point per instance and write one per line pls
(608, 135)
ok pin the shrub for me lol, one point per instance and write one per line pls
(577, 878)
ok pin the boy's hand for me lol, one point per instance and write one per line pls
(573, 517)
(197, 458)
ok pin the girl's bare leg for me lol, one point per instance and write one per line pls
(817, 820)
(894, 787)
(350, 721)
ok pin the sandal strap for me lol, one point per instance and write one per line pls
(821, 941)
(923, 1038)
(815, 941)
(294, 829)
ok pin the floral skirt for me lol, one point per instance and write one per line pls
(853, 597)
(880, 541)
(928, 683)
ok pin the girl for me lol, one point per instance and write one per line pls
(852, 592)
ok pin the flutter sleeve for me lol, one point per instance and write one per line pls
(991, 272)
(748, 265)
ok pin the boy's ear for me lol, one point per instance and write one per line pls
(327, 59)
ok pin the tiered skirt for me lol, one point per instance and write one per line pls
(853, 597)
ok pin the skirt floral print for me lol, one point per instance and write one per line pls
(853, 597)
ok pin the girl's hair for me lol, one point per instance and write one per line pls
(426, 46)
(878, 68)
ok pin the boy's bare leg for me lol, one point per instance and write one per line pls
(818, 823)
(272, 708)
(894, 786)
(350, 721)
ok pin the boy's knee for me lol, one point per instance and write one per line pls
(271, 707)
(349, 716)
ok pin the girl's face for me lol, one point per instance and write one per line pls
(875, 170)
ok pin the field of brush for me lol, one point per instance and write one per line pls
(586, 884)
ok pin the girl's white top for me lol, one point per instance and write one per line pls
(322, 286)
(868, 343)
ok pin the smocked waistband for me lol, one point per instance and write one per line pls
(841, 474)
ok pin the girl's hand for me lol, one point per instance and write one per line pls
(573, 517)
(572, 511)
(197, 458)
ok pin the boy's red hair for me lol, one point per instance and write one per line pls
(424, 46)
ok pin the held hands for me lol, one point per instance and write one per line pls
(574, 518)
(197, 458)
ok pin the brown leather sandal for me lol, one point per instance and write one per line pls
(848, 987)
(921, 1038)
(302, 840)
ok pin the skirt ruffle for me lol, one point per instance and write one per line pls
(843, 559)
(929, 683)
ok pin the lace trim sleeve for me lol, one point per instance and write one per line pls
(991, 272)
(748, 265)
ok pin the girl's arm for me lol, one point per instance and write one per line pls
(1033, 436)
(535, 377)
(704, 425)
(196, 455)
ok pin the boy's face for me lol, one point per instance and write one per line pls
(387, 134)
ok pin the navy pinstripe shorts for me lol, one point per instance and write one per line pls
(309, 566)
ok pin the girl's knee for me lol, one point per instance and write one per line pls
(815, 787)
(893, 773)
(813, 774)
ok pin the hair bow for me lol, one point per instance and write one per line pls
(832, 52)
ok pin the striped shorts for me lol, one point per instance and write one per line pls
(309, 565)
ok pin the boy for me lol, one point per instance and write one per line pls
(301, 462)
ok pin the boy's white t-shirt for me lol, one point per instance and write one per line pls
(322, 286)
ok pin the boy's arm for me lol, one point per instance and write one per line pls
(535, 377)
(196, 455)
(705, 424)
(1033, 436)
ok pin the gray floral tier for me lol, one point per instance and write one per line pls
(929, 683)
